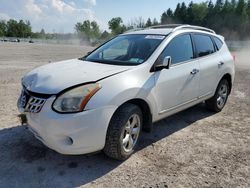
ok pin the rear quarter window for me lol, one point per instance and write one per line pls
(218, 43)
(203, 44)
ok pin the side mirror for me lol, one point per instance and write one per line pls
(165, 64)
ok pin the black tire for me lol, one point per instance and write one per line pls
(213, 104)
(114, 146)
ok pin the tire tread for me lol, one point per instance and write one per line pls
(212, 102)
(112, 147)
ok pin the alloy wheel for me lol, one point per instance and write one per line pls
(131, 132)
(222, 96)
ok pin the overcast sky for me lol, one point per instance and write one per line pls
(61, 15)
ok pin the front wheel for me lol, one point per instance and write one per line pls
(123, 132)
(218, 101)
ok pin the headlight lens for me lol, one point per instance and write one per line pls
(75, 99)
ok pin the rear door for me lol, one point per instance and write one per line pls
(209, 63)
(179, 84)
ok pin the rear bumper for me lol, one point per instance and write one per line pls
(71, 134)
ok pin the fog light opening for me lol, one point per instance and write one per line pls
(69, 141)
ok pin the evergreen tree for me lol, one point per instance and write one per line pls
(164, 18)
(200, 12)
(248, 9)
(167, 17)
(155, 22)
(229, 19)
(233, 3)
(190, 14)
(177, 13)
(242, 18)
(226, 8)
(183, 12)
(218, 7)
(170, 13)
(148, 23)
(241, 11)
(208, 21)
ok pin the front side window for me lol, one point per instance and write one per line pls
(204, 45)
(126, 50)
(179, 49)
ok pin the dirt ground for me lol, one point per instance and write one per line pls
(194, 148)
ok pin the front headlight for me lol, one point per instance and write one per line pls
(75, 99)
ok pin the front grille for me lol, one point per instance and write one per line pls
(30, 103)
(34, 104)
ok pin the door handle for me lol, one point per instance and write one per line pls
(221, 63)
(194, 71)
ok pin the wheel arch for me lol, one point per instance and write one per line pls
(228, 77)
(146, 112)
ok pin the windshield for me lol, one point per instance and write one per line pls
(126, 50)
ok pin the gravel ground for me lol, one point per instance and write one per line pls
(194, 148)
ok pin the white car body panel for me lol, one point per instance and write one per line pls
(55, 77)
(166, 92)
(54, 129)
(175, 89)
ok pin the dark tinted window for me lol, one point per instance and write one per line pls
(179, 49)
(218, 43)
(204, 45)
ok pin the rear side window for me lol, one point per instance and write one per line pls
(218, 43)
(204, 45)
(179, 49)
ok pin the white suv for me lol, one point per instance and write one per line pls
(103, 100)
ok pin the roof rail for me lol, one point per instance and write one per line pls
(193, 27)
(177, 27)
(165, 26)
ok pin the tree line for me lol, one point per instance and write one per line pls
(228, 17)
(13, 28)
(21, 29)
(91, 31)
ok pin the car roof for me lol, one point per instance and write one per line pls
(151, 31)
(167, 29)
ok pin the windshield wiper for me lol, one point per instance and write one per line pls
(82, 58)
(91, 60)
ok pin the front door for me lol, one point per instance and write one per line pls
(179, 84)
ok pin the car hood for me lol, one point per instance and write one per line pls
(55, 77)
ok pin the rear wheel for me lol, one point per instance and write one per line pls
(123, 132)
(218, 101)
